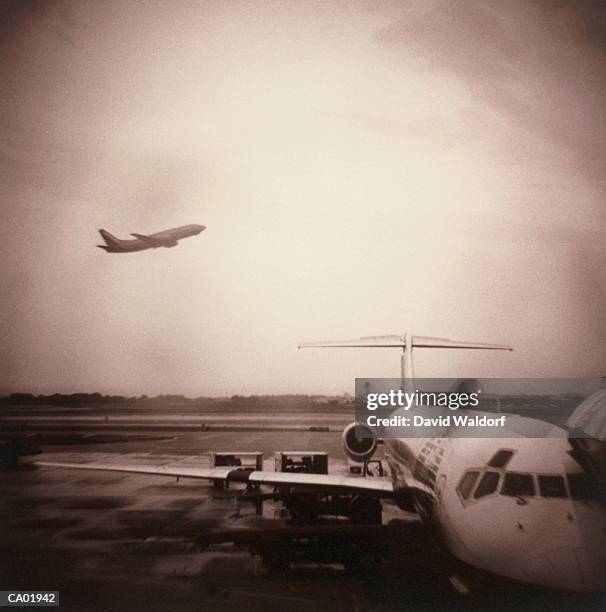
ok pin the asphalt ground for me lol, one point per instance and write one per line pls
(110, 541)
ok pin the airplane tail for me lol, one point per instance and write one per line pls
(109, 239)
(406, 342)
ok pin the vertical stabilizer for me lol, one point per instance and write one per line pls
(109, 239)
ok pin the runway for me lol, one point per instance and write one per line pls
(116, 418)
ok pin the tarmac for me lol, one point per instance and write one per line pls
(111, 541)
(114, 541)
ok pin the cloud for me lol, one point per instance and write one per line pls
(541, 65)
(362, 168)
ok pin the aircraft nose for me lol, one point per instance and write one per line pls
(570, 568)
(201, 228)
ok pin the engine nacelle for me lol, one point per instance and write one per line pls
(359, 442)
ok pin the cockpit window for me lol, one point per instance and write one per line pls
(582, 487)
(501, 458)
(467, 482)
(518, 485)
(488, 484)
(552, 486)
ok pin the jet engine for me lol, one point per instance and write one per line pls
(359, 442)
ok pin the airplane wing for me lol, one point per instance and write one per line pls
(145, 238)
(377, 486)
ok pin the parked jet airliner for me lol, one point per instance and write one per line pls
(520, 507)
(141, 242)
(525, 509)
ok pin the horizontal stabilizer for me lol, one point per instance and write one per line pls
(395, 341)
(102, 246)
(428, 342)
(366, 342)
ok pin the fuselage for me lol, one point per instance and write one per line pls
(521, 508)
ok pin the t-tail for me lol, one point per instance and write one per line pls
(407, 342)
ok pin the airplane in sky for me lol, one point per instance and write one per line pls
(514, 509)
(141, 242)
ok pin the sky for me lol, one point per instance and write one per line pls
(362, 168)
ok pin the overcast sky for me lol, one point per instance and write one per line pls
(362, 168)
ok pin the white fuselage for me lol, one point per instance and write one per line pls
(529, 518)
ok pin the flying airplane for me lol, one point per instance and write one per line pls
(513, 509)
(166, 238)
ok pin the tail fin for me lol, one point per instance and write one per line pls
(109, 239)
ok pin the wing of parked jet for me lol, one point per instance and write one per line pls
(379, 487)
